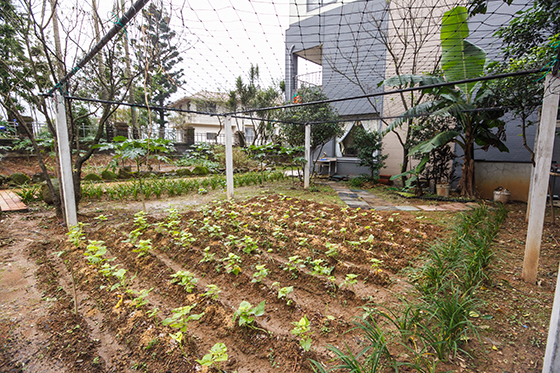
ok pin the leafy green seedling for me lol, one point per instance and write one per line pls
(143, 247)
(140, 297)
(76, 235)
(332, 249)
(213, 292)
(208, 256)
(140, 220)
(218, 353)
(230, 263)
(181, 317)
(375, 264)
(261, 273)
(350, 279)
(178, 337)
(101, 217)
(247, 313)
(283, 293)
(185, 239)
(186, 279)
(303, 330)
(95, 251)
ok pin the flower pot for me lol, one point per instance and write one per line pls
(442, 190)
(502, 195)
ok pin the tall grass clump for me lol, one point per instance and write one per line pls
(436, 325)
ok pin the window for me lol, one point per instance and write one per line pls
(211, 135)
(249, 135)
(348, 148)
(314, 4)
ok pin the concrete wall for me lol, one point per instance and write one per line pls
(514, 176)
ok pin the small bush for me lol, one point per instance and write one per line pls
(19, 178)
(200, 170)
(183, 172)
(108, 175)
(92, 177)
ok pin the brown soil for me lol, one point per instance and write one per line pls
(42, 275)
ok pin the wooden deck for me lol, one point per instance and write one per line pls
(9, 201)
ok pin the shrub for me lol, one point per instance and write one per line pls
(200, 170)
(19, 178)
(108, 175)
(183, 172)
(92, 177)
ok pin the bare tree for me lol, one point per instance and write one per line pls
(45, 60)
(407, 30)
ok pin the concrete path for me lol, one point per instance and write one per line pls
(358, 198)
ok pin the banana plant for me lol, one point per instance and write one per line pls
(460, 61)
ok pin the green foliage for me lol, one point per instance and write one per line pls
(185, 279)
(231, 263)
(218, 353)
(260, 274)
(351, 279)
(76, 235)
(460, 60)
(323, 116)
(143, 247)
(368, 145)
(439, 323)
(284, 292)
(181, 317)
(213, 292)
(247, 313)
(302, 330)
(95, 251)
(139, 299)
(138, 151)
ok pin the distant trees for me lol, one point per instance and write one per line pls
(324, 120)
(158, 56)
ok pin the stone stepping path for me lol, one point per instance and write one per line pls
(358, 198)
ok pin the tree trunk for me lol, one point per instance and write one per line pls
(161, 122)
(128, 75)
(466, 184)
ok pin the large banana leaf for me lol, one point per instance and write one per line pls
(410, 80)
(438, 140)
(424, 108)
(460, 59)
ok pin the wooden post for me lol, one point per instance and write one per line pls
(307, 156)
(229, 159)
(66, 183)
(552, 354)
(541, 175)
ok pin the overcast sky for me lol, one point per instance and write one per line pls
(220, 39)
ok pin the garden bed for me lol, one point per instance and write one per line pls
(346, 259)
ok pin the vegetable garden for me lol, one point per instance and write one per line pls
(277, 283)
(272, 278)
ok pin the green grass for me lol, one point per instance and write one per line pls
(436, 324)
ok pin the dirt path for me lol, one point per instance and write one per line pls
(22, 308)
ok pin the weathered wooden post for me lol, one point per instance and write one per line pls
(66, 181)
(229, 159)
(307, 156)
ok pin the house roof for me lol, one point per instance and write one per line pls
(217, 97)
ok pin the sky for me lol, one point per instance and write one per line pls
(219, 39)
